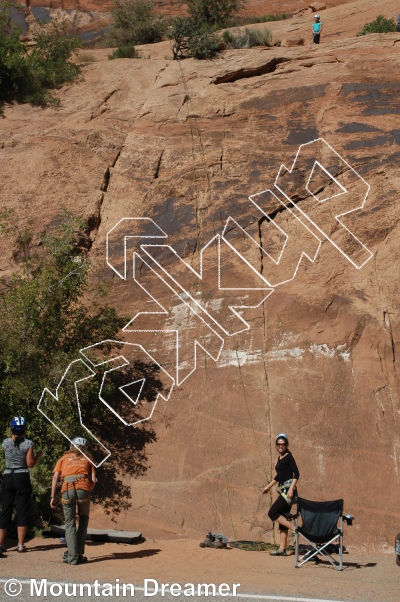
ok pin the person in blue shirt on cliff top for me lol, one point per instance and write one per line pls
(317, 29)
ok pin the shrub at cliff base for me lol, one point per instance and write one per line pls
(192, 38)
(380, 25)
(214, 12)
(28, 76)
(247, 38)
(125, 51)
(43, 325)
(135, 22)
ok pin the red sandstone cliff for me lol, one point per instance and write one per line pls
(320, 360)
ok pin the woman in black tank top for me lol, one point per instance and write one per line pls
(287, 475)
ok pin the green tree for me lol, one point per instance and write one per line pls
(214, 12)
(28, 76)
(135, 22)
(49, 59)
(191, 38)
(48, 312)
(14, 70)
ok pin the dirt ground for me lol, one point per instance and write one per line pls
(372, 578)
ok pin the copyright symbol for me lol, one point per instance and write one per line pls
(13, 587)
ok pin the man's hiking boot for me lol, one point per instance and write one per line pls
(81, 559)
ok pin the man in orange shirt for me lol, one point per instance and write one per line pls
(79, 478)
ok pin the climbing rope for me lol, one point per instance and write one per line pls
(195, 132)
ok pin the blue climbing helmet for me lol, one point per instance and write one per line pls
(19, 424)
(282, 436)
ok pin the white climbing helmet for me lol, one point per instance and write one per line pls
(317, 17)
(81, 441)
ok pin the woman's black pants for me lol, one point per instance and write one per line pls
(279, 508)
(16, 488)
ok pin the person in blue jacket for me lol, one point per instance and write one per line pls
(317, 29)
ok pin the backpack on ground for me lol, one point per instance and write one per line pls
(214, 541)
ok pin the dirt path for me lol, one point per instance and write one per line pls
(372, 578)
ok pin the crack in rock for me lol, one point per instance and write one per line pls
(245, 73)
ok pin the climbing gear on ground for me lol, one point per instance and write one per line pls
(251, 546)
(278, 553)
(214, 541)
(19, 424)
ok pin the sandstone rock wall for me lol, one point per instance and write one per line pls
(170, 7)
(186, 144)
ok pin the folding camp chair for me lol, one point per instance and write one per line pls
(320, 529)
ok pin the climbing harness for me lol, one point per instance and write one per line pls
(283, 490)
(72, 479)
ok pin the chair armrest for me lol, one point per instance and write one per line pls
(348, 519)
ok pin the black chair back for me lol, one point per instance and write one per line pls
(320, 519)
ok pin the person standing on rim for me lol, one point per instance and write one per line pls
(287, 475)
(317, 29)
(20, 456)
(79, 478)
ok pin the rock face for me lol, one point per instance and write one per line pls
(185, 145)
(253, 7)
(288, 42)
(91, 18)
(317, 6)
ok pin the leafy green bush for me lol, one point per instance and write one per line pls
(191, 38)
(380, 25)
(15, 77)
(28, 76)
(50, 57)
(247, 38)
(228, 38)
(213, 12)
(126, 51)
(134, 22)
(86, 57)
